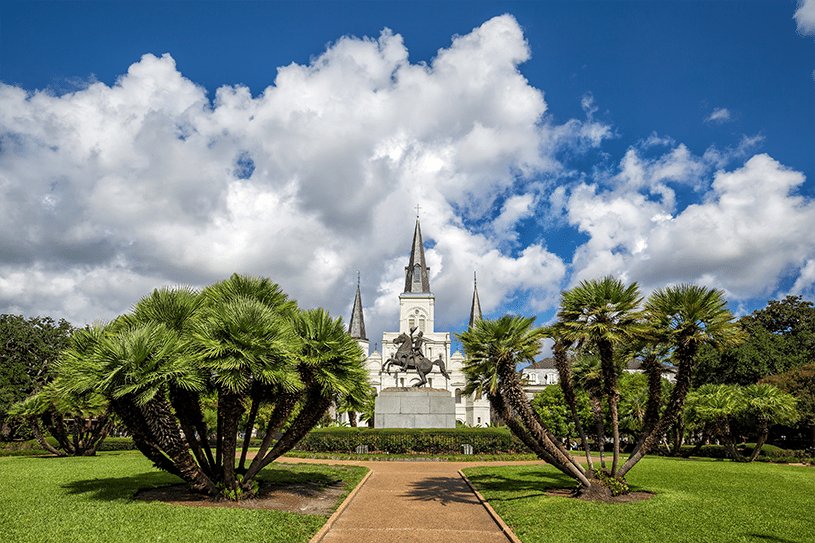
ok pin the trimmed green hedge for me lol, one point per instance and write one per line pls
(410, 441)
(769, 453)
(32, 447)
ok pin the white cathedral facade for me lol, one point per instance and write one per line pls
(417, 306)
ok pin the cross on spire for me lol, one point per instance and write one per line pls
(418, 207)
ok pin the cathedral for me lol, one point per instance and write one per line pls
(417, 306)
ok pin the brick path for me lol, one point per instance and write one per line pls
(407, 502)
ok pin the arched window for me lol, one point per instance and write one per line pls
(417, 275)
(458, 395)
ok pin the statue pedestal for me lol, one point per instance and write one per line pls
(415, 408)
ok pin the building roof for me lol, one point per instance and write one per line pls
(356, 326)
(475, 309)
(417, 279)
(542, 364)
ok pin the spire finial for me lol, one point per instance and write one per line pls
(475, 280)
(418, 207)
(357, 277)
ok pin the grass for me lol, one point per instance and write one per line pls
(88, 500)
(696, 501)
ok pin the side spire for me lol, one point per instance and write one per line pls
(356, 326)
(475, 310)
(417, 278)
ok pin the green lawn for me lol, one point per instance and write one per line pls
(89, 500)
(695, 501)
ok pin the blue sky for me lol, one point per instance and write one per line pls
(146, 144)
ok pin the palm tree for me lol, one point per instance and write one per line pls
(766, 406)
(71, 395)
(494, 349)
(329, 363)
(176, 308)
(601, 314)
(135, 366)
(718, 406)
(588, 375)
(684, 317)
(248, 350)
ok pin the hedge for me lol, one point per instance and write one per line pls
(410, 441)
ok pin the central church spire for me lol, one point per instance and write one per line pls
(417, 280)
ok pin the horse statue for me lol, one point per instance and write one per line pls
(409, 356)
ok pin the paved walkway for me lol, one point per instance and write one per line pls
(413, 502)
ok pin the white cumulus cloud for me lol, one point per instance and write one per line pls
(749, 230)
(720, 115)
(110, 191)
(805, 17)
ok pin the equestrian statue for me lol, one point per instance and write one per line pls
(409, 357)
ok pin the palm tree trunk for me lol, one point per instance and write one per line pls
(723, 429)
(596, 404)
(564, 371)
(313, 410)
(188, 410)
(705, 437)
(499, 405)
(101, 432)
(159, 418)
(250, 425)
(34, 424)
(676, 402)
(512, 390)
(55, 424)
(219, 432)
(231, 405)
(285, 404)
(613, 395)
(143, 438)
(764, 431)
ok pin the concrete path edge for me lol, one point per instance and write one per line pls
(343, 506)
(495, 516)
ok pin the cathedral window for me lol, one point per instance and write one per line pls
(421, 324)
(458, 395)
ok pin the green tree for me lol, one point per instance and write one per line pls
(494, 348)
(28, 349)
(79, 421)
(330, 363)
(241, 344)
(765, 406)
(684, 318)
(780, 337)
(718, 407)
(588, 376)
(801, 384)
(599, 315)
(555, 413)
(727, 407)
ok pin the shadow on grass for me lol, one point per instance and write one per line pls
(772, 538)
(283, 474)
(114, 488)
(525, 485)
(442, 490)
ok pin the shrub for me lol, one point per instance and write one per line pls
(424, 441)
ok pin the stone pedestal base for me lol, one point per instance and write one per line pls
(415, 408)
